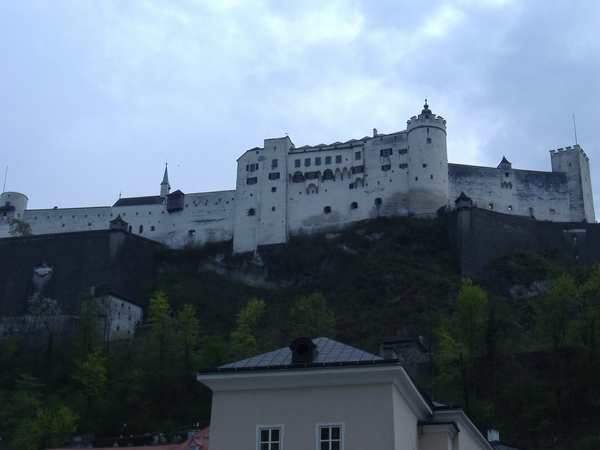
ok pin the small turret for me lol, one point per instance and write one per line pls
(165, 187)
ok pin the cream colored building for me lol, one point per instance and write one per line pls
(325, 395)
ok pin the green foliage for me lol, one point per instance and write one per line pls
(19, 227)
(47, 428)
(243, 338)
(461, 340)
(311, 317)
(91, 375)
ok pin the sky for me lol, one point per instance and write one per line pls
(96, 96)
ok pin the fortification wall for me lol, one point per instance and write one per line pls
(479, 236)
(78, 262)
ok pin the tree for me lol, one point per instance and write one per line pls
(49, 313)
(460, 340)
(556, 327)
(91, 375)
(243, 338)
(47, 428)
(19, 228)
(311, 317)
(187, 341)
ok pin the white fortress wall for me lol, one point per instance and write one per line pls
(56, 220)
(541, 195)
(205, 217)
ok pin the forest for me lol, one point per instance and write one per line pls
(517, 349)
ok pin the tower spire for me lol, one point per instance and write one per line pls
(165, 187)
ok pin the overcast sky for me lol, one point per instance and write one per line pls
(95, 96)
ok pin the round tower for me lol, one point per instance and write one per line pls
(428, 163)
(13, 205)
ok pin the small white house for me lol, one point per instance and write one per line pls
(326, 395)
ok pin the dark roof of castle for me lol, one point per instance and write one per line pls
(462, 196)
(505, 161)
(119, 219)
(140, 201)
(328, 352)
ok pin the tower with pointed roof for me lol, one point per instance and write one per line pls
(165, 187)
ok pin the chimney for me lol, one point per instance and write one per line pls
(303, 350)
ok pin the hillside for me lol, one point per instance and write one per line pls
(529, 367)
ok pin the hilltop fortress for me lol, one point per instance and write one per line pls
(283, 190)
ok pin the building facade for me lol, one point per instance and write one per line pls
(283, 190)
(323, 394)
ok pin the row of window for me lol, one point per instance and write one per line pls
(299, 177)
(328, 437)
(328, 160)
(326, 210)
(387, 152)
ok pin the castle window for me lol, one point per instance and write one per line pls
(137, 213)
(386, 167)
(89, 224)
(141, 229)
(552, 211)
(328, 175)
(357, 156)
(273, 189)
(429, 140)
(298, 177)
(506, 174)
(251, 167)
(311, 175)
(328, 160)
(416, 178)
(403, 166)
(296, 163)
(318, 161)
(530, 211)
(129, 229)
(378, 201)
(338, 159)
(274, 176)
(191, 233)
(352, 186)
(152, 228)
(424, 165)
(274, 163)
(510, 207)
(272, 208)
(491, 206)
(403, 151)
(252, 180)
(327, 209)
(63, 225)
(307, 162)
(353, 205)
(385, 152)
(358, 169)
(431, 177)
(251, 212)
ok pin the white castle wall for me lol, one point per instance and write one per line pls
(282, 190)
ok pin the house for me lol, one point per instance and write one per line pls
(326, 395)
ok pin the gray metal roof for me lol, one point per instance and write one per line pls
(328, 352)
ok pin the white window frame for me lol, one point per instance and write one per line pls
(318, 427)
(261, 427)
